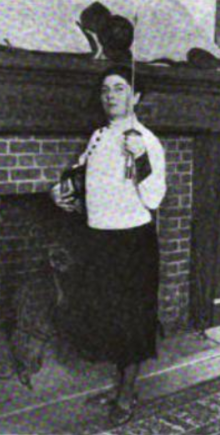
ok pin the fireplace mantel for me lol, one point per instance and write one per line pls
(54, 93)
(48, 106)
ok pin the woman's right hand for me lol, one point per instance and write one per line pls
(64, 200)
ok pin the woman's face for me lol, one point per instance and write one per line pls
(117, 97)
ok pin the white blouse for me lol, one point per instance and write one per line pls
(113, 201)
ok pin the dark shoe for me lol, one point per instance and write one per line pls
(120, 415)
(23, 372)
(25, 379)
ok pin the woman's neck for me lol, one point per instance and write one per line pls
(121, 119)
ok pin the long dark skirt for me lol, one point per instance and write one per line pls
(112, 311)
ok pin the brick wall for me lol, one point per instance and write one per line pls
(32, 165)
(174, 223)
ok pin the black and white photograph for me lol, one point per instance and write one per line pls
(109, 217)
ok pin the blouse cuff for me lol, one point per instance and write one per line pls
(143, 167)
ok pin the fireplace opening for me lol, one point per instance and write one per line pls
(31, 224)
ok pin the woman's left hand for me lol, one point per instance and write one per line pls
(134, 144)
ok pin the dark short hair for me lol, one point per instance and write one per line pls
(132, 78)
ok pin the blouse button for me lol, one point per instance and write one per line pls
(89, 153)
(94, 146)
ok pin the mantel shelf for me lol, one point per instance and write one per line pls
(54, 93)
(20, 62)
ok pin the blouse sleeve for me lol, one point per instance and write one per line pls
(150, 173)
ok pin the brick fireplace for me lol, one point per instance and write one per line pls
(30, 166)
(35, 149)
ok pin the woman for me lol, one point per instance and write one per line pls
(115, 317)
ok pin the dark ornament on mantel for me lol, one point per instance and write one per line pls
(196, 58)
(200, 58)
(95, 16)
(110, 36)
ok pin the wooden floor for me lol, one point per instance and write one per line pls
(57, 403)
